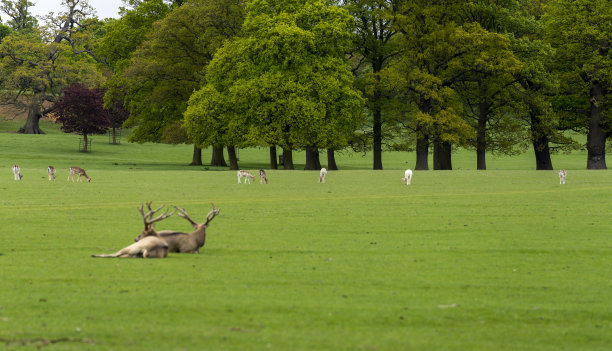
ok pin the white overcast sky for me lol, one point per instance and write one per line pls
(104, 8)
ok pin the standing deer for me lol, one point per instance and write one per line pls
(263, 176)
(80, 172)
(51, 172)
(247, 175)
(322, 175)
(150, 245)
(17, 172)
(562, 175)
(187, 242)
(407, 176)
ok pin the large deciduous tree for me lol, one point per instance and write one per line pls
(81, 110)
(35, 69)
(21, 20)
(374, 47)
(169, 65)
(580, 31)
(284, 82)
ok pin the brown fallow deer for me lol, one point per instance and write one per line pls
(187, 242)
(51, 172)
(150, 245)
(263, 177)
(80, 172)
(17, 172)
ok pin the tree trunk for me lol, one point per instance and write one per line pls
(34, 115)
(217, 157)
(540, 144)
(422, 152)
(287, 158)
(596, 138)
(231, 154)
(273, 162)
(331, 160)
(84, 142)
(312, 159)
(196, 159)
(481, 136)
(377, 136)
(442, 155)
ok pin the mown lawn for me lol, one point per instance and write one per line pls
(505, 259)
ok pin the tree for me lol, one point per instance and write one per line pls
(169, 65)
(284, 82)
(580, 31)
(81, 110)
(21, 20)
(374, 47)
(36, 69)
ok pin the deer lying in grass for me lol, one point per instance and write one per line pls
(150, 245)
(187, 242)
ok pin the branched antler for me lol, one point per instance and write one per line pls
(148, 217)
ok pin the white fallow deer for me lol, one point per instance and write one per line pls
(17, 172)
(187, 242)
(150, 245)
(245, 174)
(51, 172)
(407, 176)
(78, 171)
(322, 175)
(263, 177)
(562, 175)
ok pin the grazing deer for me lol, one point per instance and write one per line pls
(187, 242)
(263, 176)
(407, 176)
(80, 172)
(51, 172)
(562, 175)
(248, 176)
(150, 245)
(17, 172)
(322, 175)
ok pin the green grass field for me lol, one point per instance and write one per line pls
(505, 259)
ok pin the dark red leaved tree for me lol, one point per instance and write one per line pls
(81, 111)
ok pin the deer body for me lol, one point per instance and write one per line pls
(78, 171)
(322, 175)
(262, 176)
(150, 245)
(407, 176)
(187, 242)
(51, 172)
(17, 172)
(245, 174)
(562, 175)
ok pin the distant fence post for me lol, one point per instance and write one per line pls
(82, 147)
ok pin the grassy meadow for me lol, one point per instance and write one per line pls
(504, 259)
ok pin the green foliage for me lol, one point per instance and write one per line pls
(283, 82)
(21, 19)
(168, 66)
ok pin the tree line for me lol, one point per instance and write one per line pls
(494, 76)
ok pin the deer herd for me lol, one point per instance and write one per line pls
(157, 244)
